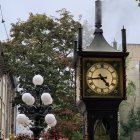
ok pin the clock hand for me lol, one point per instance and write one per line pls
(94, 78)
(103, 79)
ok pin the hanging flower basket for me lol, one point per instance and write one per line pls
(23, 137)
(52, 134)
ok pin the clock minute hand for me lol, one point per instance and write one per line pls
(95, 78)
(103, 79)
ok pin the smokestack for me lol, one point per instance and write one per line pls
(98, 14)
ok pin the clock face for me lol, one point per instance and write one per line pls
(102, 78)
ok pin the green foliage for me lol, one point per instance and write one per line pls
(17, 100)
(76, 135)
(131, 87)
(131, 125)
(43, 45)
(127, 128)
(138, 2)
(130, 91)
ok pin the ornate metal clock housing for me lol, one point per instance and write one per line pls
(100, 81)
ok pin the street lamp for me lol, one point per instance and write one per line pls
(36, 108)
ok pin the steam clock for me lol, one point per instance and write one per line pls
(100, 82)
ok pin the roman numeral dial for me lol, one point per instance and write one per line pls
(102, 78)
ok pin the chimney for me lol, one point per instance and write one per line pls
(98, 14)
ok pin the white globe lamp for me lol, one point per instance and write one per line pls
(53, 124)
(28, 99)
(27, 121)
(46, 99)
(38, 80)
(21, 118)
(31, 102)
(49, 118)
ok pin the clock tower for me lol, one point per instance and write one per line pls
(100, 82)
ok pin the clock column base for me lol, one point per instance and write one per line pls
(101, 121)
(102, 125)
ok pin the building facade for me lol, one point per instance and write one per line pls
(133, 74)
(7, 86)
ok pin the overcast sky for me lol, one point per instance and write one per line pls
(116, 13)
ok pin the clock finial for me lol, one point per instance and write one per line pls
(80, 38)
(124, 40)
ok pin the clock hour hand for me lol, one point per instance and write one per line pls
(103, 78)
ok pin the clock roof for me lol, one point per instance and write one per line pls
(99, 44)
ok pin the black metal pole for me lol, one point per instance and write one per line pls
(36, 131)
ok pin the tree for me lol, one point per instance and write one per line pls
(133, 124)
(126, 128)
(138, 2)
(87, 34)
(43, 45)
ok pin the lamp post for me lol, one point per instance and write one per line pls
(36, 108)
